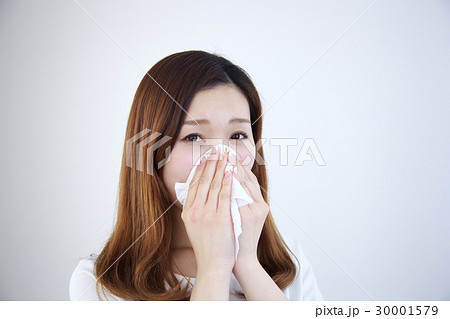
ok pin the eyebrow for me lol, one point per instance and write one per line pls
(205, 121)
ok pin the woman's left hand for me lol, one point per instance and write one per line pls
(253, 216)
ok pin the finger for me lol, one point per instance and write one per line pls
(251, 177)
(256, 189)
(245, 210)
(206, 178)
(193, 185)
(216, 183)
(224, 200)
(234, 161)
(245, 181)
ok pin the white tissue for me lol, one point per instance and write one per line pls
(238, 195)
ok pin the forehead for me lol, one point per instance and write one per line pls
(221, 101)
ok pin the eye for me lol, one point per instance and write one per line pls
(190, 136)
(194, 137)
(239, 133)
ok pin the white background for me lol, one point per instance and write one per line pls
(376, 104)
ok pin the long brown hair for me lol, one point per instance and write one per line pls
(135, 263)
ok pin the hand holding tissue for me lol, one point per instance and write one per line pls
(239, 197)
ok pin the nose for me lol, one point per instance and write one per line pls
(225, 148)
(222, 148)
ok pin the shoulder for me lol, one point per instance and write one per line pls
(82, 285)
(305, 285)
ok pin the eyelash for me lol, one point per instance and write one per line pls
(197, 134)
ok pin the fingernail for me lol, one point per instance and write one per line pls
(203, 159)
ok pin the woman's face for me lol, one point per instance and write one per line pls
(223, 115)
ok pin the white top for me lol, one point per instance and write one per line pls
(83, 282)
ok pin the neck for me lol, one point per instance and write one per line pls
(180, 237)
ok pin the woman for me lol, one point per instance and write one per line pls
(159, 250)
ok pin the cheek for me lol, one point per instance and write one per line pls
(178, 168)
(247, 156)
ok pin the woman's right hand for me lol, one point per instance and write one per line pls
(207, 215)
